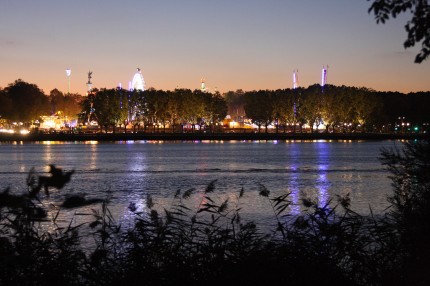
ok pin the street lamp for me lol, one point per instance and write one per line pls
(68, 73)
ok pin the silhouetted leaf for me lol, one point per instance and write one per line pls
(281, 209)
(345, 201)
(223, 206)
(149, 201)
(188, 193)
(264, 192)
(242, 191)
(281, 199)
(94, 224)
(210, 187)
(132, 207)
(177, 193)
(208, 198)
(154, 215)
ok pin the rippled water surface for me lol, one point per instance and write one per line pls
(128, 171)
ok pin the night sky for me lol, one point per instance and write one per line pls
(233, 44)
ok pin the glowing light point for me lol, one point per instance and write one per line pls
(68, 73)
(324, 76)
(295, 79)
(203, 86)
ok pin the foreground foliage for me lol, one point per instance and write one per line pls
(212, 244)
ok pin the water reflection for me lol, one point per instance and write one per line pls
(138, 205)
(322, 183)
(93, 156)
(300, 184)
(295, 180)
(47, 156)
(132, 170)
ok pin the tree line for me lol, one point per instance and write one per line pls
(335, 108)
(25, 102)
(155, 108)
(330, 108)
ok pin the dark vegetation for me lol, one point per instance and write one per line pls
(212, 245)
(336, 109)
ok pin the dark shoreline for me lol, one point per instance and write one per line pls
(207, 136)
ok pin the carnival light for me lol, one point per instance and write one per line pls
(138, 82)
(324, 75)
(295, 79)
(68, 73)
(24, 131)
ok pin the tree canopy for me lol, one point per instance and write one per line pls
(155, 108)
(67, 105)
(24, 102)
(336, 108)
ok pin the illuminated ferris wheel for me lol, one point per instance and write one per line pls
(138, 82)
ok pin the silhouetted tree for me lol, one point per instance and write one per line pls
(366, 107)
(27, 100)
(5, 105)
(68, 105)
(259, 108)
(104, 107)
(216, 109)
(121, 115)
(173, 109)
(235, 103)
(311, 108)
(283, 108)
(163, 115)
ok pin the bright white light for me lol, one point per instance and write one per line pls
(203, 86)
(68, 72)
(295, 79)
(324, 76)
(24, 131)
(49, 123)
(138, 82)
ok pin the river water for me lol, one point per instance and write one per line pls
(125, 172)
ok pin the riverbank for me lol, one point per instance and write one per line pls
(206, 136)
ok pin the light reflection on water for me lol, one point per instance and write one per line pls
(323, 165)
(295, 179)
(129, 170)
